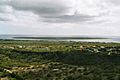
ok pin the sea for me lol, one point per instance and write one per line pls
(114, 39)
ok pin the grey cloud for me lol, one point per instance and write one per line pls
(1, 9)
(52, 12)
(49, 11)
(115, 2)
(4, 2)
(68, 18)
(4, 19)
(39, 7)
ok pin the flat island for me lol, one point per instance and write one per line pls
(61, 60)
(60, 38)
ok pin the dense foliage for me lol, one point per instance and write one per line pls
(47, 60)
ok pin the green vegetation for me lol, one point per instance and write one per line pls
(59, 60)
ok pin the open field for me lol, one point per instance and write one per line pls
(59, 60)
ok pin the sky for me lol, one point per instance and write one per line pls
(60, 17)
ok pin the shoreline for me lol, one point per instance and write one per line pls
(53, 40)
(65, 40)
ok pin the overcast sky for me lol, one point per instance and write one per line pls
(60, 17)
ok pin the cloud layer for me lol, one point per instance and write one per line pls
(46, 13)
(61, 10)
